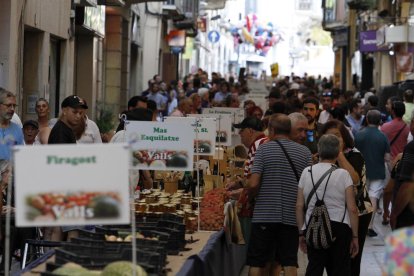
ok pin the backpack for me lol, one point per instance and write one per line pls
(318, 229)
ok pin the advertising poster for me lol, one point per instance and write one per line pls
(223, 128)
(58, 185)
(161, 146)
(205, 129)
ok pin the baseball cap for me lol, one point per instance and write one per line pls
(31, 123)
(74, 102)
(250, 122)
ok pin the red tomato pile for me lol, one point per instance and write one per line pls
(212, 210)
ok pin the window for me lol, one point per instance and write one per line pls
(304, 5)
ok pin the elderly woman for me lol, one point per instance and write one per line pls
(351, 160)
(336, 190)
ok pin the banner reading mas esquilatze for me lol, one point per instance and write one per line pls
(205, 129)
(59, 185)
(161, 146)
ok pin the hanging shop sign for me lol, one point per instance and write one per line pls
(189, 45)
(404, 62)
(369, 41)
(176, 38)
(340, 38)
(223, 127)
(161, 146)
(92, 18)
(205, 133)
(202, 24)
(59, 185)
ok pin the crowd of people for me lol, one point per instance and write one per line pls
(313, 143)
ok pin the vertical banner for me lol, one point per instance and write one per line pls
(223, 127)
(205, 129)
(59, 185)
(161, 146)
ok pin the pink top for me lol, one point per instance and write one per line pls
(391, 129)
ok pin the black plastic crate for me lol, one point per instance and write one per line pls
(148, 260)
(90, 247)
(150, 269)
(91, 235)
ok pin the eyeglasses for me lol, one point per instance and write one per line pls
(10, 105)
(327, 94)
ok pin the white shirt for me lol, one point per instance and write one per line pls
(16, 119)
(324, 117)
(335, 192)
(91, 134)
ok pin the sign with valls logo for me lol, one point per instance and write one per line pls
(205, 129)
(161, 146)
(71, 185)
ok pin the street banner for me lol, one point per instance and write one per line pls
(205, 129)
(161, 146)
(58, 185)
(223, 127)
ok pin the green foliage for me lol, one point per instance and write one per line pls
(105, 119)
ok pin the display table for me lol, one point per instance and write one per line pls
(216, 258)
(209, 254)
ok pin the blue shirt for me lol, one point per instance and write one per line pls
(9, 137)
(220, 96)
(373, 145)
(355, 125)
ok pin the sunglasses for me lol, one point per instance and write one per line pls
(327, 94)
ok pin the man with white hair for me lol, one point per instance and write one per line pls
(205, 100)
(299, 126)
(11, 133)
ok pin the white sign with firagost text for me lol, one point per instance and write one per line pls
(57, 185)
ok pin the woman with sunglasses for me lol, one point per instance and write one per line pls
(351, 159)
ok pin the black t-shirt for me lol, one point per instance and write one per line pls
(61, 134)
(404, 172)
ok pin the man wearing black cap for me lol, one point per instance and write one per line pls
(30, 130)
(62, 132)
(252, 136)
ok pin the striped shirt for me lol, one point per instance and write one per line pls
(276, 200)
(261, 139)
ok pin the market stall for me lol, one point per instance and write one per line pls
(175, 227)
